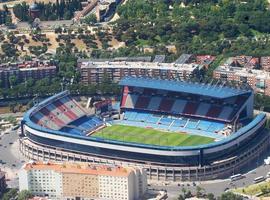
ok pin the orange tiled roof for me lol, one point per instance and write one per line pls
(79, 168)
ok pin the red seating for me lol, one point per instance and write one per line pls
(77, 106)
(142, 102)
(214, 111)
(166, 104)
(52, 117)
(65, 110)
(125, 94)
(191, 108)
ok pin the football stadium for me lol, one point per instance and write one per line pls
(177, 131)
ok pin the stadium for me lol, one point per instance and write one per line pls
(178, 131)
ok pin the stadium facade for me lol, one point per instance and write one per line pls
(59, 129)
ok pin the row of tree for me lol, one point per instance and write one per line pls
(14, 194)
(200, 194)
(60, 10)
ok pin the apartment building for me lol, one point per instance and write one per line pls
(265, 63)
(25, 70)
(94, 72)
(81, 181)
(259, 80)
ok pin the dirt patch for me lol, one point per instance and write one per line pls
(4, 110)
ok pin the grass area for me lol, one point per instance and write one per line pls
(150, 136)
(254, 189)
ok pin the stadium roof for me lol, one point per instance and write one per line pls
(185, 87)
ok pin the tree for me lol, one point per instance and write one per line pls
(8, 20)
(199, 191)
(12, 81)
(230, 196)
(10, 194)
(24, 195)
(90, 19)
(210, 196)
(180, 197)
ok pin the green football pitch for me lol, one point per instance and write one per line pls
(150, 136)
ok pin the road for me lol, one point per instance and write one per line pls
(217, 186)
(10, 158)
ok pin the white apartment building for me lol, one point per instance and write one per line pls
(80, 181)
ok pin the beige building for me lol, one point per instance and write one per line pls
(81, 181)
(265, 63)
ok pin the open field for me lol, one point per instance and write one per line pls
(150, 136)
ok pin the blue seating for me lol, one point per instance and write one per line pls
(204, 125)
(215, 127)
(192, 124)
(82, 125)
(166, 121)
(172, 123)
(152, 119)
(179, 122)
(38, 116)
(72, 131)
(131, 115)
(141, 116)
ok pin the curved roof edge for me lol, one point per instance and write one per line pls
(238, 134)
(182, 86)
(44, 103)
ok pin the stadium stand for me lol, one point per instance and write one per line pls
(222, 113)
(172, 123)
(125, 95)
(190, 108)
(166, 104)
(214, 105)
(130, 101)
(214, 111)
(67, 115)
(142, 102)
(203, 109)
(178, 106)
(154, 103)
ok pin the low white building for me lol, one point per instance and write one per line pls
(70, 181)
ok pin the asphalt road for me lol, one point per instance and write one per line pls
(10, 158)
(216, 187)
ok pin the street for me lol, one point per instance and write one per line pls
(10, 158)
(217, 187)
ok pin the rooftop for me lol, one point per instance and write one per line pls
(185, 87)
(183, 58)
(140, 65)
(79, 168)
(27, 65)
(241, 71)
